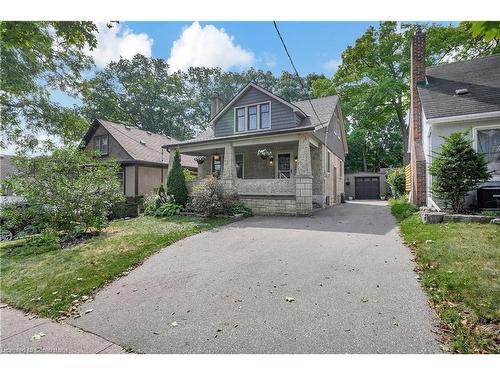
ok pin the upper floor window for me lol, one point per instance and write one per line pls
(101, 144)
(265, 120)
(253, 117)
(240, 119)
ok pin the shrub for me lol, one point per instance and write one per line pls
(397, 181)
(71, 190)
(188, 175)
(176, 183)
(240, 208)
(208, 198)
(457, 170)
(20, 219)
(168, 209)
(401, 208)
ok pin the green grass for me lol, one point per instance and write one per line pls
(460, 266)
(45, 280)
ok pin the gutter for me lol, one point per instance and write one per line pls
(241, 136)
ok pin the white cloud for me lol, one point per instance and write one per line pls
(119, 41)
(209, 47)
(332, 65)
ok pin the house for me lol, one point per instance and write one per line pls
(305, 142)
(457, 97)
(366, 185)
(143, 160)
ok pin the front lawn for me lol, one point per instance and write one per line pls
(47, 280)
(460, 266)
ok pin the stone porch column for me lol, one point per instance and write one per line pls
(229, 168)
(303, 177)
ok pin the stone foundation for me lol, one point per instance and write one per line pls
(270, 205)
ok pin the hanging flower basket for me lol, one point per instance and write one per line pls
(264, 154)
(200, 159)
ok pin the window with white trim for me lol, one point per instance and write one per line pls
(487, 142)
(252, 117)
(101, 144)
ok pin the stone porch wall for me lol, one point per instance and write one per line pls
(269, 205)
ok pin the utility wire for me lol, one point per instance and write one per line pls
(295, 69)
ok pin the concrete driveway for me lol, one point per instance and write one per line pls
(225, 291)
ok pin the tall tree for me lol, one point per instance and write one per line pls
(373, 78)
(139, 92)
(38, 59)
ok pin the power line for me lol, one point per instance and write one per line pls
(295, 69)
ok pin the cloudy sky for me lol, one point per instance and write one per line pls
(315, 46)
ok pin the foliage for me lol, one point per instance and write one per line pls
(240, 208)
(71, 190)
(397, 181)
(488, 30)
(264, 153)
(129, 207)
(188, 175)
(38, 59)
(401, 208)
(490, 213)
(176, 183)
(457, 170)
(36, 245)
(168, 209)
(373, 78)
(459, 265)
(20, 219)
(208, 198)
(46, 284)
(162, 196)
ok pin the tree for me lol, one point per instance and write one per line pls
(457, 170)
(373, 78)
(397, 181)
(488, 30)
(71, 190)
(176, 183)
(38, 59)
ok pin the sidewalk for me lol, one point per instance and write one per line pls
(20, 333)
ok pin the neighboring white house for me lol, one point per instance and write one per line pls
(457, 97)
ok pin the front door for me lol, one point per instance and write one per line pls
(284, 166)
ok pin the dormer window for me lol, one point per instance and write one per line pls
(101, 144)
(253, 117)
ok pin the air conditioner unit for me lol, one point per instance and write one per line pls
(488, 197)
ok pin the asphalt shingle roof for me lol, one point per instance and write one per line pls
(142, 145)
(481, 77)
(324, 108)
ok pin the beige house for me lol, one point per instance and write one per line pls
(304, 141)
(143, 161)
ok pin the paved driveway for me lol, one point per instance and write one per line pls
(225, 291)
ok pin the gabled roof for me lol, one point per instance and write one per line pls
(242, 92)
(481, 77)
(325, 108)
(141, 145)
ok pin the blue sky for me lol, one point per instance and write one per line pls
(314, 45)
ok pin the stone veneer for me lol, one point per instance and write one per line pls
(270, 205)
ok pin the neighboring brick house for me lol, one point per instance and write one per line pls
(461, 96)
(306, 165)
(143, 161)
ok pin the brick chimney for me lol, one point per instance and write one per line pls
(216, 105)
(418, 180)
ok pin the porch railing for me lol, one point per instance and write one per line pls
(272, 186)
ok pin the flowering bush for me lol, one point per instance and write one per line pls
(208, 198)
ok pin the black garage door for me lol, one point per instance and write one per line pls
(367, 188)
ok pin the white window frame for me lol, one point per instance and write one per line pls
(243, 166)
(98, 139)
(474, 142)
(235, 123)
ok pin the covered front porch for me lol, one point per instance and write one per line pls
(282, 182)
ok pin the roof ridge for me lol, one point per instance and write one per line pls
(464, 61)
(321, 97)
(112, 123)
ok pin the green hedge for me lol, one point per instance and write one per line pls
(130, 208)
